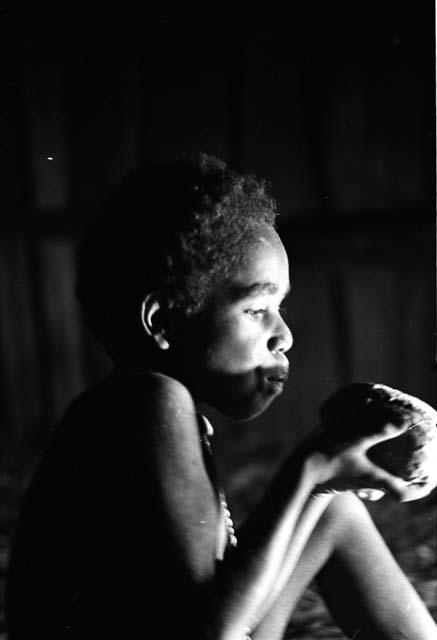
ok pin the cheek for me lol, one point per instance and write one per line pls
(234, 349)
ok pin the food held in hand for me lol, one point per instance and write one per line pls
(366, 408)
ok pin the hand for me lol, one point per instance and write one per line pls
(396, 433)
(346, 466)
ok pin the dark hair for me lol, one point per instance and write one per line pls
(177, 228)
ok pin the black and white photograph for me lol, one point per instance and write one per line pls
(218, 321)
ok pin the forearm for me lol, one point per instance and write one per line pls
(269, 546)
(310, 516)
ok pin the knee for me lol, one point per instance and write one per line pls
(342, 512)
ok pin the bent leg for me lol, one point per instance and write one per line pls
(365, 590)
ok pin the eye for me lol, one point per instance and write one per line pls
(256, 313)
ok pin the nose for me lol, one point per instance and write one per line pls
(282, 338)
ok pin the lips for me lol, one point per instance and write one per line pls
(277, 379)
(277, 376)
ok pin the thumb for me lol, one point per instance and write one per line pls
(394, 485)
(372, 495)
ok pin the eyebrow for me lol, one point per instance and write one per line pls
(240, 292)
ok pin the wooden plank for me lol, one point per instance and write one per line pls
(372, 311)
(47, 153)
(415, 326)
(101, 111)
(64, 358)
(21, 388)
(315, 367)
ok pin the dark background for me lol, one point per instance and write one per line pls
(333, 102)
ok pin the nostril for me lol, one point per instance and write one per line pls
(281, 343)
(281, 338)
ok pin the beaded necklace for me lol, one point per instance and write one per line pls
(206, 432)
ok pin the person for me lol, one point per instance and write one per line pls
(124, 531)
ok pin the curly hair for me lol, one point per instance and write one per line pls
(177, 228)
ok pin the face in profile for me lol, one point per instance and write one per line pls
(235, 360)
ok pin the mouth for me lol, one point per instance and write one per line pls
(277, 378)
(276, 382)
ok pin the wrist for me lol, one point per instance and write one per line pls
(319, 467)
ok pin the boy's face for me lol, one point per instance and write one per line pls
(236, 360)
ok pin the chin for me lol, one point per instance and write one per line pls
(245, 411)
(241, 402)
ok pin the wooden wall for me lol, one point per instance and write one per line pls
(333, 103)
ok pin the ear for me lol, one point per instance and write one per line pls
(151, 317)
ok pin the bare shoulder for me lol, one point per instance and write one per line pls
(163, 407)
(158, 413)
(148, 396)
(153, 410)
(168, 399)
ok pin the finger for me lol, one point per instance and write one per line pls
(388, 482)
(388, 432)
(320, 490)
(371, 495)
(416, 491)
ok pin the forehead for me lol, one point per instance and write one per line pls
(264, 267)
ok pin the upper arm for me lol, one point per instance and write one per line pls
(362, 583)
(185, 501)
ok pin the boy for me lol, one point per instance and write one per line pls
(125, 531)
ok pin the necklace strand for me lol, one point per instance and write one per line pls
(206, 433)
